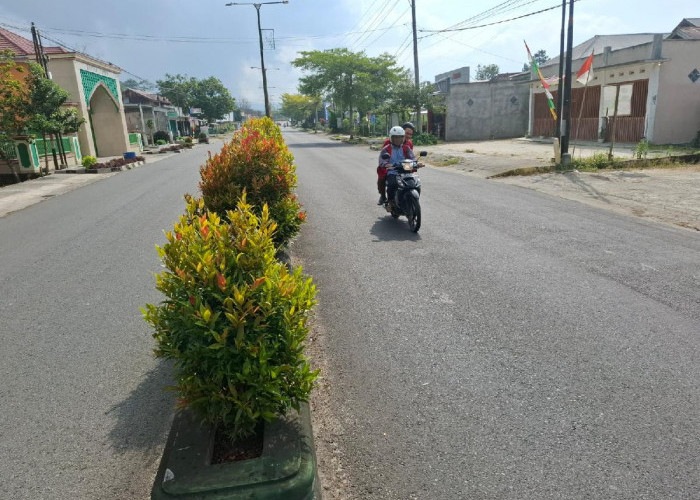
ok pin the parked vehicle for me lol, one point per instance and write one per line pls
(406, 199)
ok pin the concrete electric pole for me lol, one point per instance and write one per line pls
(262, 57)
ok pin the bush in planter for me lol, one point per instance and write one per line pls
(160, 142)
(88, 161)
(234, 319)
(256, 161)
(161, 135)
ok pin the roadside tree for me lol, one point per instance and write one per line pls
(352, 81)
(540, 58)
(488, 72)
(14, 98)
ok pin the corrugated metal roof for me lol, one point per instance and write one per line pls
(152, 97)
(689, 33)
(21, 46)
(598, 43)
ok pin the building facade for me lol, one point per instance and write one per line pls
(644, 86)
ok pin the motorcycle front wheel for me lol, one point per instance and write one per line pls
(413, 214)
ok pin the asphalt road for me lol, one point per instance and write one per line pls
(83, 414)
(520, 346)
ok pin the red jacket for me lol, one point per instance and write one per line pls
(408, 143)
(407, 153)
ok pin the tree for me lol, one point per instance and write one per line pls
(34, 104)
(179, 90)
(14, 98)
(488, 72)
(540, 57)
(213, 98)
(44, 106)
(351, 80)
(208, 94)
(150, 126)
(132, 83)
(299, 107)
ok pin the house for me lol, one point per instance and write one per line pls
(140, 107)
(93, 87)
(654, 77)
(478, 110)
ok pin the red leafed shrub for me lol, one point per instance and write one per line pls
(256, 161)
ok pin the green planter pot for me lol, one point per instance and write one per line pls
(285, 470)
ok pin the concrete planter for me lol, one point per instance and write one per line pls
(285, 470)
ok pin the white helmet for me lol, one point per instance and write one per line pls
(397, 131)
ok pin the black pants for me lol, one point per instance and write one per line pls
(392, 184)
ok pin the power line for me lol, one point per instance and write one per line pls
(357, 23)
(489, 24)
(374, 20)
(205, 40)
(390, 27)
(502, 7)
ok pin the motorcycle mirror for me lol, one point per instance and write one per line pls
(385, 156)
(423, 153)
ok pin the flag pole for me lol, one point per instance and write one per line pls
(583, 102)
(578, 120)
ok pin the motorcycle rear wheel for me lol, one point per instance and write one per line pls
(414, 215)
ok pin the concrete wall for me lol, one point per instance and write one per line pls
(460, 75)
(678, 101)
(487, 110)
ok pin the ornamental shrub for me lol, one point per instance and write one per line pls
(234, 319)
(256, 161)
(161, 135)
(424, 139)
(88, 161)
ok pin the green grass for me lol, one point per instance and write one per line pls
(446, 161)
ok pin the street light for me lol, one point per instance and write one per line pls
(262, 59)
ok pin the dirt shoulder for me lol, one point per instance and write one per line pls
(670, 195)
(666, 195)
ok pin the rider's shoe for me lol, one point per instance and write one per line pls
(382, 200)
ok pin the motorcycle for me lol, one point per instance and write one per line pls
(406, 199)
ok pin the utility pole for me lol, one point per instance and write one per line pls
(42, 60)
(262, 58)
(566, 119)
(415, 69)
(560, 87)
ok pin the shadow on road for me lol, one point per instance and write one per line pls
(143, 418)
(389, 229)
(578, 181)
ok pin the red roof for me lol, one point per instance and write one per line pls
(21, 46)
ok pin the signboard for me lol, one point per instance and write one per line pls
(172, 114)
(195, 111)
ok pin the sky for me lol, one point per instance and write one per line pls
(202, 38)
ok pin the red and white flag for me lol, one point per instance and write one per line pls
(586, 71)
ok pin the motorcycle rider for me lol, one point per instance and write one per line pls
(398, 150)
(409, 129)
